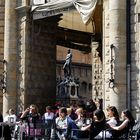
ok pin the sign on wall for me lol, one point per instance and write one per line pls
(38, 2)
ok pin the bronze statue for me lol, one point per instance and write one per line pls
(67, 64)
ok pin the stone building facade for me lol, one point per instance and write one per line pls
(29, 47)
(134, 45)
(2, 11)
(121, 29)
(114, 33)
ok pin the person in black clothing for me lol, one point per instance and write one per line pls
(97, 125)
(138, 134)
(90, 108)
(6, 132)
(32, 117)
(1, 118)
(81, 104)
(30, 114)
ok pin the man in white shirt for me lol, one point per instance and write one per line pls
(10, 117)
(48, 115)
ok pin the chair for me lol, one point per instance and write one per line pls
(42, 130)
(135, 131)
(5, 133)
(102, 135)
(77, 134)
(39, 131)
(137, 134)
(122, 134)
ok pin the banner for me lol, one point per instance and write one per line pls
(84, 7)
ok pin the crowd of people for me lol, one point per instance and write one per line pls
(84, 120)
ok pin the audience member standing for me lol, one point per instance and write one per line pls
(90, 108)
(10, 117)
(48, 115)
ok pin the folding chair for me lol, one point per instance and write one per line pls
(77, 134)
(135, 131)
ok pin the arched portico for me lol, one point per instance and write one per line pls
(34, 48)
(114, 53)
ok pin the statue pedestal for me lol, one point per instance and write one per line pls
(67, 91)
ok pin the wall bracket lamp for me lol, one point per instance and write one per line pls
(3, 78)
(112, 80)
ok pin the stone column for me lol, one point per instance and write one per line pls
(117, 37)
(96, 72)
(2, 3)
(24, 25)
(9, 98)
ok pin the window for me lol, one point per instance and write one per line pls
(84, 87)
(72, 90)
(90, 87)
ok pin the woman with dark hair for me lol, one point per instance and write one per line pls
(123, 128)
(113, 116)
(31, 116)
(97, 125)
(112, 120)
(128, 115)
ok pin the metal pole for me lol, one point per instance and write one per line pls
(128, 94)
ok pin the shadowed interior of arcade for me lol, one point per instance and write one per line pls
(40, 46)
(51, 37)
(36, 36)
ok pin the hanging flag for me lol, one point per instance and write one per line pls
(86, 9)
